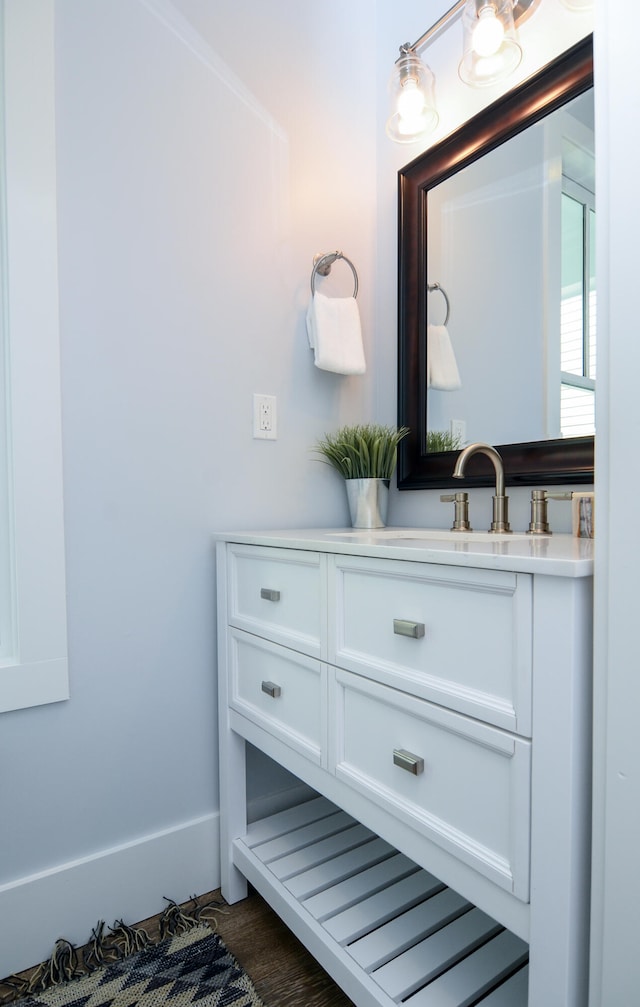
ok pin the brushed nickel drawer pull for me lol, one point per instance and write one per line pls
(402, 627)
(406, 760)
(271, 689)
(269, 594)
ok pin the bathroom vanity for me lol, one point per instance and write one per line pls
(432, 694)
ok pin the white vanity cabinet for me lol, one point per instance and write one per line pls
(435, 697)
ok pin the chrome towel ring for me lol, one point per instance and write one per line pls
(322, 264)
(436, 286)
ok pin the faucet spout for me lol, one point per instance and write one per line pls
(500, 521)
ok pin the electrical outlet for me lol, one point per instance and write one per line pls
(264, 417)
(459, 429)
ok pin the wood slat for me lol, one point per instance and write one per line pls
(399, 934)
(305, 836)
(428, 959)
(285, 821)
(319, 853)
(362, 886)
(361, 919)
(330, 873)
(513, 993)
(477, 974)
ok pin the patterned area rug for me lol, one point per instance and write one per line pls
(188, 968)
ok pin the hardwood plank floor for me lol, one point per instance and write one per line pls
(283, 972)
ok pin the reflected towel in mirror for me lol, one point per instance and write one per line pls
(335, 335)
(442, 368)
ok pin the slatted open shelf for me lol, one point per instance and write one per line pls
(388, 931)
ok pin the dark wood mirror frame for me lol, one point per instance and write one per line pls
(530, 463)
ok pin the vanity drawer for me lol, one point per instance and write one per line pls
(283, 692)
(459, 637)
(279, 594)
(462, 784)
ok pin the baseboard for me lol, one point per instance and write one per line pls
(124, 882)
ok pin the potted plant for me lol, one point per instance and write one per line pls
(365, 455)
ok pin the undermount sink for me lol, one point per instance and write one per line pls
(431, 534)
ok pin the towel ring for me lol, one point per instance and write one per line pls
(322, 265)
(436, 286)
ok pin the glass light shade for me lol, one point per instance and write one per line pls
(413, 110)
(490, 45)
(578, 5)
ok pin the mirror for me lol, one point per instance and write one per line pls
(482, 213)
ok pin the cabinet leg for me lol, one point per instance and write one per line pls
(233, 814)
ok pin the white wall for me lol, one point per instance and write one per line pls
(616, 897)
(204, 156)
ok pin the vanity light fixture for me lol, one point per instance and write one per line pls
(412, 100)
(491, 52)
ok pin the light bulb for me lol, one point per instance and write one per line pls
(413, 112)
(410, 100)
(488, 33)
(414, 127)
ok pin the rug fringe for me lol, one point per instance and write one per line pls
(176, 920)
(129, 939)
(68, 962)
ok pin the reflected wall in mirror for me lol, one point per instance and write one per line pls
(501, 214)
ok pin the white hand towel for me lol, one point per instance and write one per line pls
(442, 369)
(335, 336)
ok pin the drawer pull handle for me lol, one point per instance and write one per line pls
(271, 689)
(269, 594)
(402, 627)
(406, 760)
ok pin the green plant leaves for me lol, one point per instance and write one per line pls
(364, 451)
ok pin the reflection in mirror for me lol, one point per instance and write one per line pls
(510, 239)
(501, 214)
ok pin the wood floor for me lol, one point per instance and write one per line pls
(282, 970)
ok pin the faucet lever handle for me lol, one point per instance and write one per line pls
(539, 524)
(461, 511)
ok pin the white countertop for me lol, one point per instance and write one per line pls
(553, 555)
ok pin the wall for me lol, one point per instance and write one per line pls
(616, 894)
(204, 156)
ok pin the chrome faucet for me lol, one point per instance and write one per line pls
(500, 521)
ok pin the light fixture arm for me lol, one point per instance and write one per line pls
(440, 23)
(520, 8)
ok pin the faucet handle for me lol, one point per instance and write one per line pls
(560, 496)
(539, 524)
(461, 511)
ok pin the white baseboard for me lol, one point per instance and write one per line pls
(125, 882)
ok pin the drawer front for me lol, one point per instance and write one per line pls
(462, 784)
(458, 637)
(281, 691)
(279, 594)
